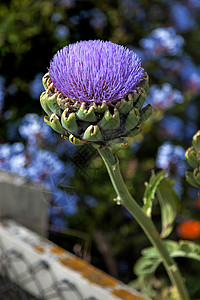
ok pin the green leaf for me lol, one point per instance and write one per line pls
(170, 206)
(150, 190)
(146, 266)
(150, 260)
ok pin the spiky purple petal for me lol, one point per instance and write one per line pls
(94, 71)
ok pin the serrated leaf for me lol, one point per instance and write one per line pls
(145, 266)
(150, 190)
(150, 260)
(170, 206)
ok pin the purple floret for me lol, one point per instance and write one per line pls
(94, 71)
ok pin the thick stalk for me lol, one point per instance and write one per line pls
(125, 198)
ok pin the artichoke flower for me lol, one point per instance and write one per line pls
(94, 93)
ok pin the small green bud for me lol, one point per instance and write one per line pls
(69, 123)
(92, 133)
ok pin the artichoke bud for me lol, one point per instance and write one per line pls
(54, 122)
(110, 121)
(69, 122)
(196, 175)
(86, 115)
(198, 157)
(92, 134)
(132, 119)
(43, 103)
(191, 180)
(196, 141)
(192, 157)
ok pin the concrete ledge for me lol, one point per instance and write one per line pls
(49, 272)
(23, 200)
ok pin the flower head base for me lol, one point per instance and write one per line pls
(95, 71)
(94, 93)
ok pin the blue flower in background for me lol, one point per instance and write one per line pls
(17, 164)
(41, 165)
(182, 17)
(183, 68)
(194, 4)
(67, 3)
(132, 10)
(2, 92)
(98, 19)
(32, 129)
(172, 128)
(13, 158)
(190, 75)
(36, 86)
(62, 32)
(56, 17)
(171, 158)
(163, 98)
(90, 201)
(162, 42)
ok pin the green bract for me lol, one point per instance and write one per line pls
(104, 124)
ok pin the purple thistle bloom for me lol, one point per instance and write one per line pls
(95, 71)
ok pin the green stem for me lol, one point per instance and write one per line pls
(112, 165)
